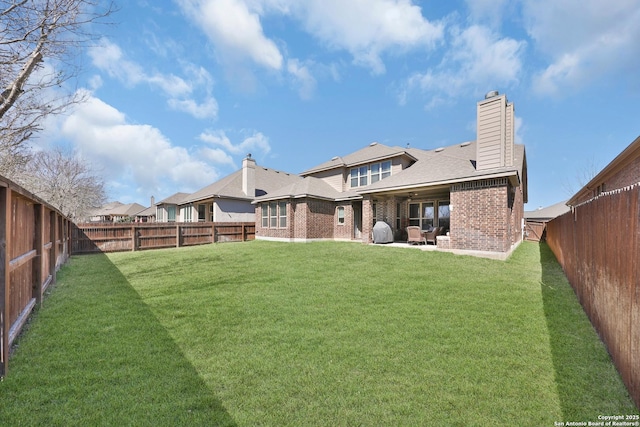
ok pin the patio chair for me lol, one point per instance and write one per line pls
(414, 235)
(430, 236)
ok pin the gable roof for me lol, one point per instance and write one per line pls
(371, 153)
(174, 199)
(119, 209)
(547, 213)
(267, 180)
(445, 166)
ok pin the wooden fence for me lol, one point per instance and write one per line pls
(598, 246)
(88, 238)
(535, 230)
(34, 242)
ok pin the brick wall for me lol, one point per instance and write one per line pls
(307, 219)
(480, 219)
(343, 231)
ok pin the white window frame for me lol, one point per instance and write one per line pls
(282, 214)
(341, 215)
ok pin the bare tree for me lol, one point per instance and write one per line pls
(39, 44)
(582, 177)
(65, 181)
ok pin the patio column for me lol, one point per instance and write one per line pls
(367, 219)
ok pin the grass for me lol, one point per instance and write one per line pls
(329, 333)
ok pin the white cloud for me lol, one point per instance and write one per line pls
(487, 11)
(303, 79)
(366, 29)
(139, 155)
(255, 142)
(217, 155)
(235, 30)
(584, 40)
(478, 60)
(206, 109)
(110, 58)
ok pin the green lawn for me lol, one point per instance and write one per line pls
(327, 333)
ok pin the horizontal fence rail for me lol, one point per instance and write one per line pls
(34, 243)
(89, 238)
(598, 246)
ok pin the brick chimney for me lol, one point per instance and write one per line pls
(496, 132)
(249, 176)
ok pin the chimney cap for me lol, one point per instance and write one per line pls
(491, 94)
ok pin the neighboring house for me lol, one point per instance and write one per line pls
(230, 198)
(548, 213)
(149, 214)
(536, 221)
(167, 210)
(117, 212)
(623, 171)
(475, 190)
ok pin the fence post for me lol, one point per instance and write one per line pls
(52, 250)
(213, 232)
(38, 262)
(177, 235)
(134, 243)
(5, 236)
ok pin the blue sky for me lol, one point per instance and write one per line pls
(178, 92)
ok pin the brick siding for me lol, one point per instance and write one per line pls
(485, 216)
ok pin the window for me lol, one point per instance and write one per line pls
(444, 215)
(380, 171)
(425, 216)
(340, 215)
(202, 213)
(428, 215)
(274, 214)
(211, 212)
(188, 215)
(159, 214)
(370, 174)
(282, 214)
(171, 213)
(265, 215)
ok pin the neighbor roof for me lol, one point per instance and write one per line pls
(547, 213)
(266, 181)
(117, 208)
(173, 199)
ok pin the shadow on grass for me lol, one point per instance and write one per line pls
(97, 355)
(587, 382)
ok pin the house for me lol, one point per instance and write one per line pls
(230, 199)
(536, 221)
(167, 209)
(623, 171)
(475, 191)
(116, 212)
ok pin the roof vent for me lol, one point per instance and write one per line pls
(439, 149)
(464, 144)
(491, 94)
(372, 144)
(334, 158)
